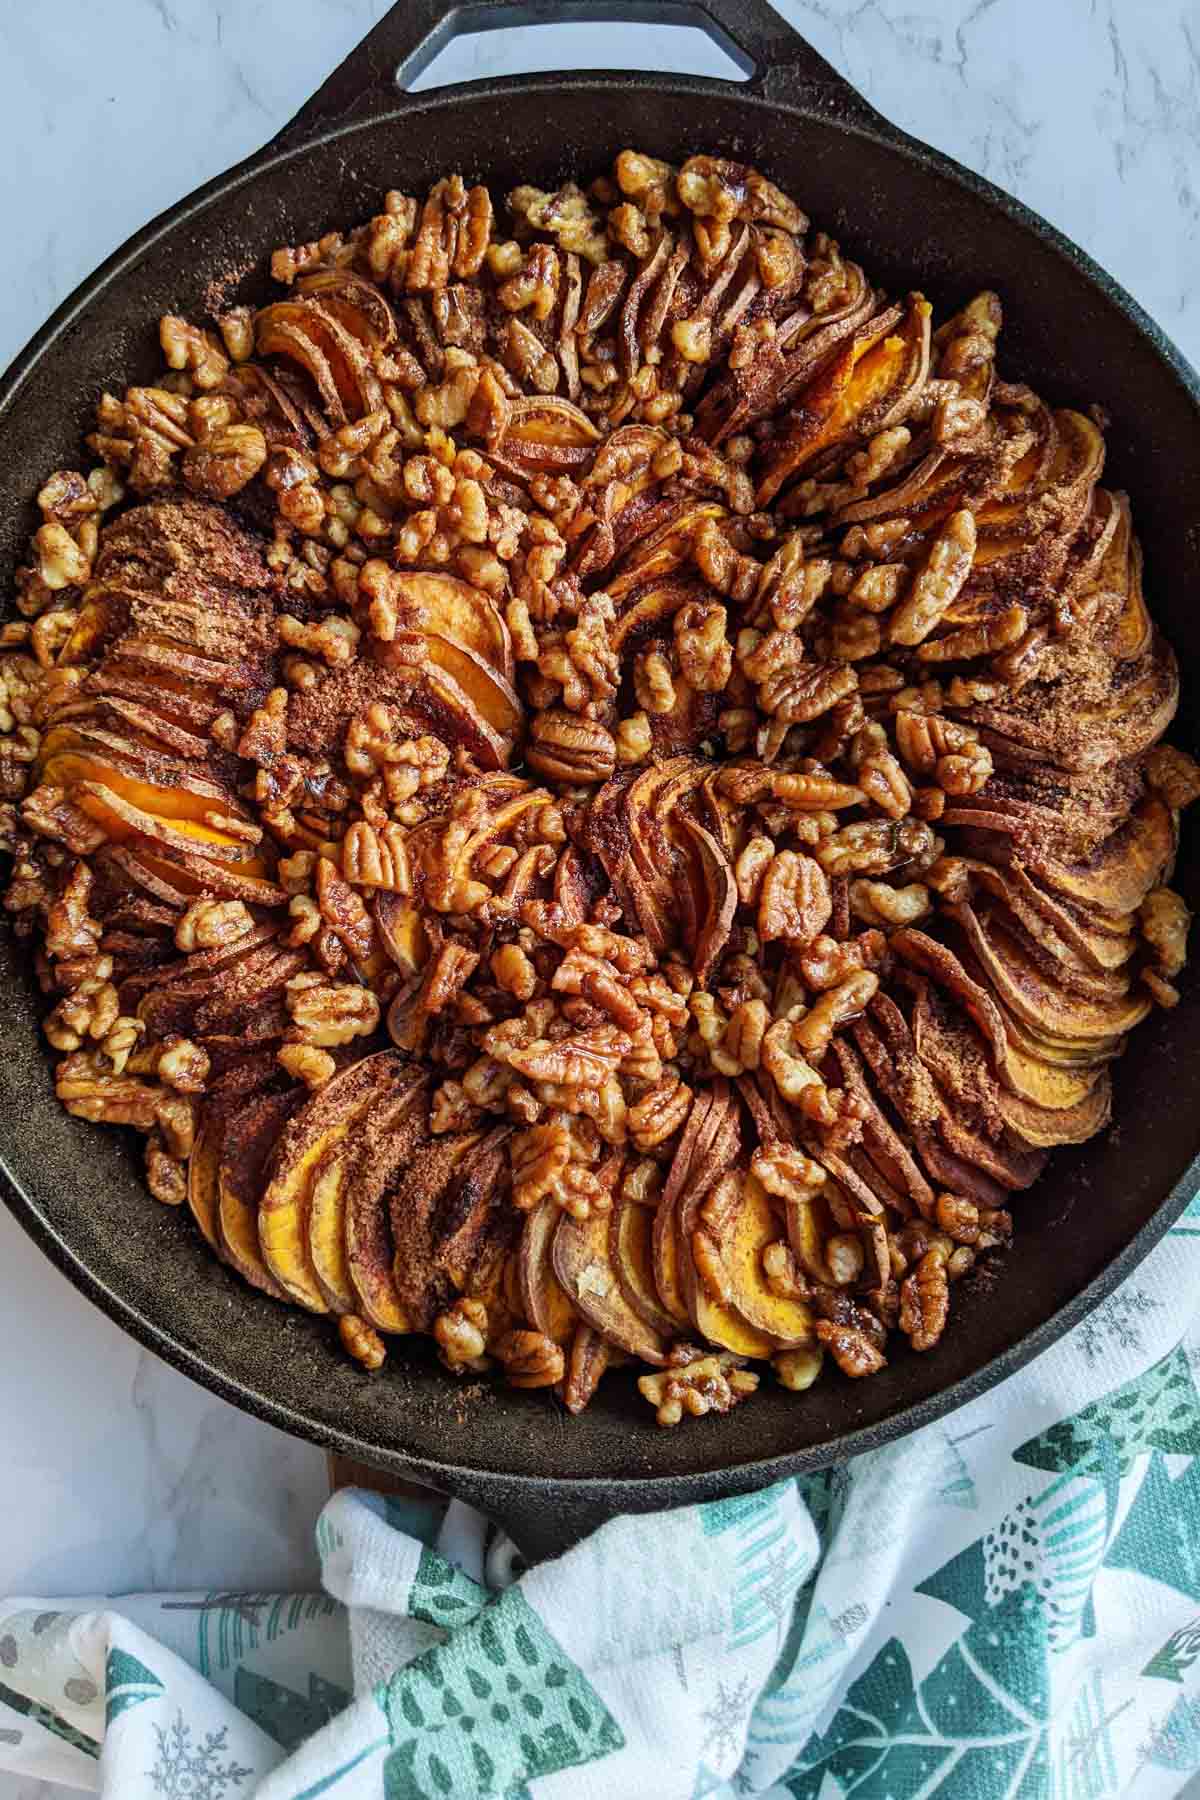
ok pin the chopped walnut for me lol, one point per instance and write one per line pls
(303, 1063)
(166, 1176)
(850, 1348)
(361, 1341)
(796, 1370)
(213, 925)
(183, 1065)
(1165, 920)
(461, 1336)
(530, 1360)
(706, 1384)
(226, 462)
(326, 1014)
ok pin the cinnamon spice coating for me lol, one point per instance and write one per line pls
(592, 784)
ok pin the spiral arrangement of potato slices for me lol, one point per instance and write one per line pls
(593, 785)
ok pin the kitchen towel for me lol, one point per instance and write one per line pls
(1005, 1604)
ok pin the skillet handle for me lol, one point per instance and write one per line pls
(374, 78)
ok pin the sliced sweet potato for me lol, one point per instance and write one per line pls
(546, 435)
(1041, 1003)
(1123, 870)
(631, 1253)
(309, 334)
(588, 1277)
(173, 1004)
(653, 557)
(203, 1189)
(871, 383)
(355, 303)
(442, 606)
(735, 1225)
(716, 1321)
(664, 1251)
(247, 1145)
(1042, 939)
(475, 1228)
(487, 690)
(1045, 1127)
(122, 820)
(803, 344)
(83, 751)
(390, 1138)
(402, 929)
(719, 902)
(439, 700)
(333, 1111)
(1086, 933)
(327, 1225)
(888, 1151)
(544, 1301)
(1131, 634)
(1009, 1164)
(417, 1193)
(197, 874)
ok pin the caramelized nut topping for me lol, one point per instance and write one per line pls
(658, 822)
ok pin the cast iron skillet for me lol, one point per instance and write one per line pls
(912, 216)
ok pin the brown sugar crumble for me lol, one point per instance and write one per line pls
(593, 786)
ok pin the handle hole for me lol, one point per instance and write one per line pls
(541, 48)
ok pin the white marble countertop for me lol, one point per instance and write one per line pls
(119, 1473)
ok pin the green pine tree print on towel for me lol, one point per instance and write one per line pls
(975, 1725)
(285, 1715)
(499, 1703)
(127, 1682)
(1159, 1410)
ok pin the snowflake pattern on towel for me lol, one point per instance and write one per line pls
(187, 1770)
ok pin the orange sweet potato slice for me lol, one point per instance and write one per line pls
(1089, 934)
(586, 1273)
(719, 899)
(870, 384)
(1041, 1003)
(451, 715)
(488, 691)
(654, 557)
(417, 1194)
(1043, 1127)
(122, 820)
(475, 1230)
(543, 1299)
(442, 606)
(631, 1253)
(1043, 940)
(246, 1149)
(1123, 870)
(310, 334)
(354, 303)
(203, 1189)
(391, 1138)
(332, 1112)
(736, 1224)
(327, 1225)
(714, 1318)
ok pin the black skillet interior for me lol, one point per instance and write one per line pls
(910, 216)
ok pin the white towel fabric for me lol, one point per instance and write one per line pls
(1004, 1606)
